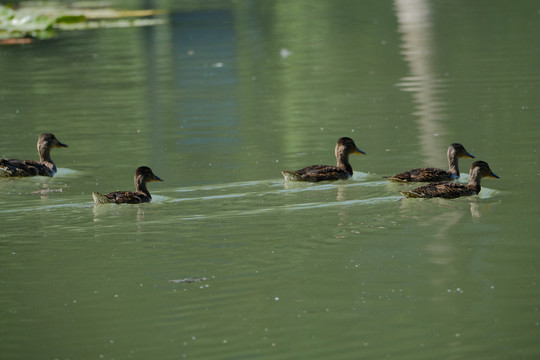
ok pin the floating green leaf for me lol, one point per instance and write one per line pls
(70, 19)
(39, 21)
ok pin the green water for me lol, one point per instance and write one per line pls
(217, 102)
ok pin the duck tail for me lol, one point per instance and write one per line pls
(291, 176)
(394, 178)
(410, 194)
(100, 198)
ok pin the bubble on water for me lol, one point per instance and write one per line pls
(285, 53)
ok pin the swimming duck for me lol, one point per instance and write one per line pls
(454, 152)
(342, 171)
(452, 190)
(43, 167)
(143, 175)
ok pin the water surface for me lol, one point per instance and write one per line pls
(217, 102)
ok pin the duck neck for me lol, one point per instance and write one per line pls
(342, 158)
(45, 157)
(453, 161)
(474, 179)
(140, 186)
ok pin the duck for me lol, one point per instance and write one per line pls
(342, 171)
(44, 167)
(143, 175)
(452, 190)
(454, 152)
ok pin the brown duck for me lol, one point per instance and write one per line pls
(44, 167)
(342, 171)
(141, 194)
(455, 151)
(452, 190)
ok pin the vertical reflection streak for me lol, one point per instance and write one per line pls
(416, 31)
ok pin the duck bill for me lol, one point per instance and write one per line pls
(61, 144)
(358, 151)
(492, 175)
(469, 156)
(157, 178)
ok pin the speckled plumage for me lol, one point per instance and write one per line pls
(44, 167)
(454, 152)
(452, 190)
(342, 171)
(141, 194)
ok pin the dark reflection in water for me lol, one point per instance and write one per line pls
(204, 60)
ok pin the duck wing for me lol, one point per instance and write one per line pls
(317, 173)
(19, 168)
(120, 197)
(448, 190)
(422, 175)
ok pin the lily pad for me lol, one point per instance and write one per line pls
(70, 19)
(41, 20)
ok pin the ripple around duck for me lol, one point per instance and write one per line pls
(48, 207)
(241, 199)
(66, 172)
(251, 197)
(210, 197)
(254, 189)
(223, 186)
(369, 201)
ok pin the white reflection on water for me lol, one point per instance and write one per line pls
(415, 26)
(66, 172)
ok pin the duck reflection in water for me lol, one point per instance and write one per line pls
(103, 213)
